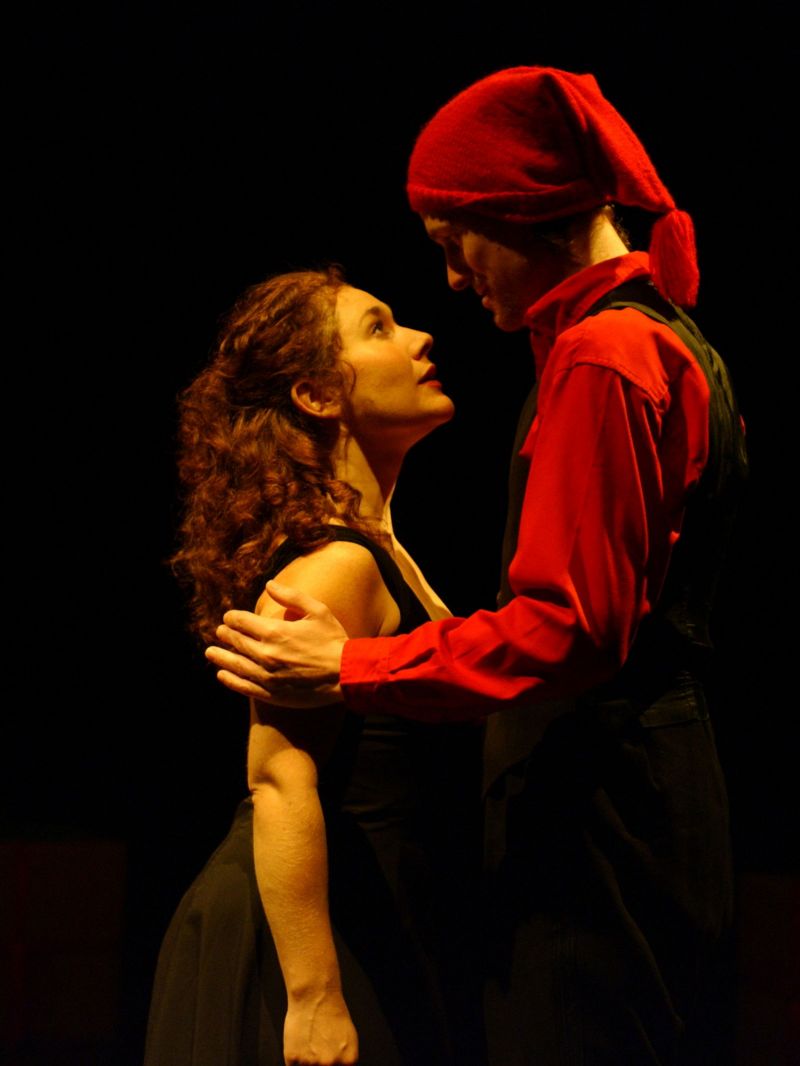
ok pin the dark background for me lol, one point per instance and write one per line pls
(168, 158)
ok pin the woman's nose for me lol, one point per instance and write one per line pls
(423, 342)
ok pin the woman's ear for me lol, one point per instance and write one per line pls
(316, 399)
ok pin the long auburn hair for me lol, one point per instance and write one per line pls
(254, 469)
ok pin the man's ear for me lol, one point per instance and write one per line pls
(316, 399)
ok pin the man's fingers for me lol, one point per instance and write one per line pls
(245, 688)
(250, 661)
(300, 602)
(242, 675)
(260, 627)
(241, 665)
(285, 663)
(252, 625)
(277, 695)
(250, 647)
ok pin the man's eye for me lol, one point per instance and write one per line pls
(378, 327)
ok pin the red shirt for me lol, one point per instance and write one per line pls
(620, 437)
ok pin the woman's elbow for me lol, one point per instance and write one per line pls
(287, 773)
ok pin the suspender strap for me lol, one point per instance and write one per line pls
(727, 464)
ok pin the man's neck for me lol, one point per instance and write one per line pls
(600, 241)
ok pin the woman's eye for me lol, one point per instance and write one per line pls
(378, 327)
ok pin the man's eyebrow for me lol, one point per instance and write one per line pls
(445, 235)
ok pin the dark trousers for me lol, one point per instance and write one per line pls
(610, 899)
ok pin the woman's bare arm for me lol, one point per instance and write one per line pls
(284, 756)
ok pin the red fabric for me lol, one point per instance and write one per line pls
(530, 144)
(620, 435)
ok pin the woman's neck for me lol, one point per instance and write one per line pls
(374, 475)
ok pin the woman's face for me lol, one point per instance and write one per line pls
(395, 393)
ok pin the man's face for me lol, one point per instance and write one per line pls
(507, 269)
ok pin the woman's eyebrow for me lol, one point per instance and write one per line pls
(377, 309)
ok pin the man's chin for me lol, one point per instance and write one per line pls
(506, 319)
(507, 322)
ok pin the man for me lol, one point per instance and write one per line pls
(606, 810)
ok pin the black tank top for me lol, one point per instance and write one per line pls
(403, 822)
(412, 613)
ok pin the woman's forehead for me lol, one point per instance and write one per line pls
(352, 305)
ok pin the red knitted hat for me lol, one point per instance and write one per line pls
(530, 144)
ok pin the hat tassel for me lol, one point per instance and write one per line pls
(673, 258)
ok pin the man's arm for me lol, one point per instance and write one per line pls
(603, 508)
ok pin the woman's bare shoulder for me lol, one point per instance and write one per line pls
(346, 578)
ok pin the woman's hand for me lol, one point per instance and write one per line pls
(319, 1032)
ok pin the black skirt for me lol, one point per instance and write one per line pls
(402, 821)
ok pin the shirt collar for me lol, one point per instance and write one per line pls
(568, 302)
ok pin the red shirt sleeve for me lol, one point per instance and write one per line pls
(613, 450)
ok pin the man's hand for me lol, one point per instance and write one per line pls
(292, 661)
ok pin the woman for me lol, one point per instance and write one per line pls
(334, 924)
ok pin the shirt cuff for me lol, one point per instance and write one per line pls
(365, 665)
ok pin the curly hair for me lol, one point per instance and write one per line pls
(254, 469)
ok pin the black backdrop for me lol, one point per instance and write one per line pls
(171, 157)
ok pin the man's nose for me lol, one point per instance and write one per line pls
(457, 277)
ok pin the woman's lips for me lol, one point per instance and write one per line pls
(429, 377)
